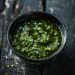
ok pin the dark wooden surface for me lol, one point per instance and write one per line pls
(64, 63)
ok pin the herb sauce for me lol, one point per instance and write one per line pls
(37, 39)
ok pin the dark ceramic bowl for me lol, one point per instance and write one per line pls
(24, 17)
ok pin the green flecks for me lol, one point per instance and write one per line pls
(37, 39)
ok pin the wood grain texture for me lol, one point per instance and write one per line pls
(10, 63)
(63, 64)
(32, 6)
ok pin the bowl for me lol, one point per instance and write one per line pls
(24, 17)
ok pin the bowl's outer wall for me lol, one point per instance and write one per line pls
(22, 18)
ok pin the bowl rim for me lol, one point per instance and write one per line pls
(41, 59)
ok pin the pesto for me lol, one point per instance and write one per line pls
(37, 39)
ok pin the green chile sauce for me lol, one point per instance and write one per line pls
(37, 39)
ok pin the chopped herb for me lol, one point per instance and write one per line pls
(37, 39)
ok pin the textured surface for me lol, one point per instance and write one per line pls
(10, 63)
(2, 6)
(64, 63)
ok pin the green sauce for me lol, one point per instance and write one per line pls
(37, 39)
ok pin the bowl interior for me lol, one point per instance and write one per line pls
(21, 19)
